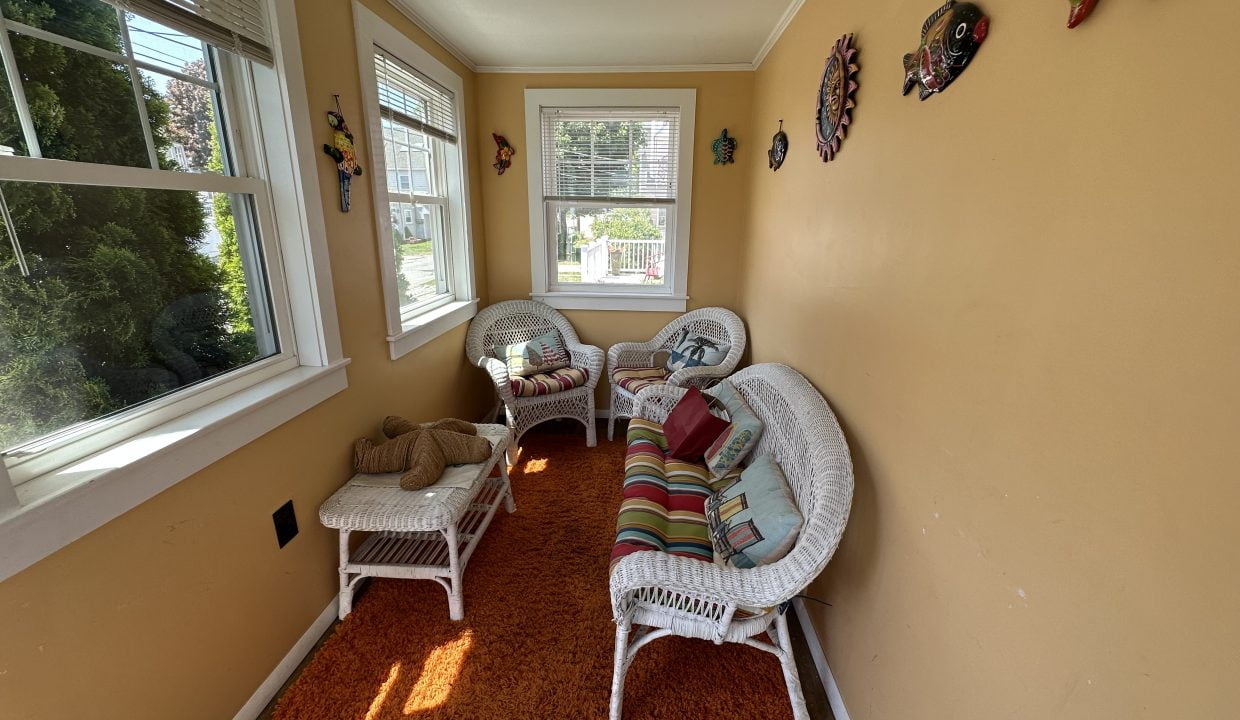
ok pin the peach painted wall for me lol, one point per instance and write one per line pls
(1021, 298)
(182, 606)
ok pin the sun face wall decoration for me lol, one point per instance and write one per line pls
(835, 97)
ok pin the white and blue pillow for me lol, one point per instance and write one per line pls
(695, 351)
(755, 520)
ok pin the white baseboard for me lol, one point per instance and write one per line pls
(820, 662)
(265, 692)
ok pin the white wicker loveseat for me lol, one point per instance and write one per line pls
(655, 594)
(714, 323)
(516, 321)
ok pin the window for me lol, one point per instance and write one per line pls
(414, 116)
(135, 273)
(164, 289)
(609, 197)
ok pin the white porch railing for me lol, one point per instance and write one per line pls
(607, 260)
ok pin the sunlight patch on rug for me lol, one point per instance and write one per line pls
(439, 673)
(377, 704)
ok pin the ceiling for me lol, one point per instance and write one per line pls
(548, 35)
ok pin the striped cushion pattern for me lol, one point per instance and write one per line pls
(634, 379)
(664, 502)
(549, 383)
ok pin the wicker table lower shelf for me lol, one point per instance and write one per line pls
(420, 535)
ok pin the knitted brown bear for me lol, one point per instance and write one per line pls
(421, 451)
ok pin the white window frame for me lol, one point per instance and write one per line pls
(673, 295)
(419, 325)
(140, 453)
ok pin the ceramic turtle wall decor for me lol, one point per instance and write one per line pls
(779, 148)
(1079, 11)
(949, 40)
(724, 148)
(835, 97)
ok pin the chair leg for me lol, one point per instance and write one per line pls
(591, 424)
(611, 416)
(620, 668)
(789, 664)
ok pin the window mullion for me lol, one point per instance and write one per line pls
(20, 105)
(136, 80)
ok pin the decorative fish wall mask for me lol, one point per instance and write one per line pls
(1080, 10)
(949, 39)
(779, 148)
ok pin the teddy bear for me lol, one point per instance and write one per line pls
(421, 451)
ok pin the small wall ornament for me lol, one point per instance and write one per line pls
(779, 148)
(724, 148)
(341, 150)
(835, 97)
(503, 153)
(949, 39)
(1079, 11)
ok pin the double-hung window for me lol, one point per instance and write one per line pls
(153, 216)
(133, 268)
(610, 188)
(414, 113)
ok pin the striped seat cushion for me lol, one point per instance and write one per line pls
(549, 383)
(664, 502)
(634, 379)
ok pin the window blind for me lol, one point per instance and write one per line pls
(237, 25)
(410, 98)
(610, 154)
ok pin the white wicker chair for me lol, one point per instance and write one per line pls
(715, 323)
(671, 595)
(519, 321)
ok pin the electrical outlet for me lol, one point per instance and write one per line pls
(286, 523)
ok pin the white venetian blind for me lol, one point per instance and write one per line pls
(414, 100)
(610, 154)
(237, 25)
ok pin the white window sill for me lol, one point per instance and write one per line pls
(430, 325)
(647, 302)
(57, 508)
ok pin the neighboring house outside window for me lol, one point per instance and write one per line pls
(153, 229)
(414, 113)
(610, 188)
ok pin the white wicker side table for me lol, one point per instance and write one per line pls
(426, 534)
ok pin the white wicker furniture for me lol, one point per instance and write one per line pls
(517, 321)
(426, 534)
(654, 594)
(715, 323)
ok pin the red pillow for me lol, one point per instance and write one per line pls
(690, 428)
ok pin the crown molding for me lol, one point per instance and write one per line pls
(778, 31)
(599, 69)
(405, 8)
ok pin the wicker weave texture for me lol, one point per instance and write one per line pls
(688, 597)
(715, 323)
(358, 507)
(516, 321)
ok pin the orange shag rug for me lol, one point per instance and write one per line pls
(537, 638)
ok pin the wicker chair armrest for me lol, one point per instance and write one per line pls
(631, 354)
(498, 370)
(656, 402)
(689, 577)
(701, 377)
(589, 358)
